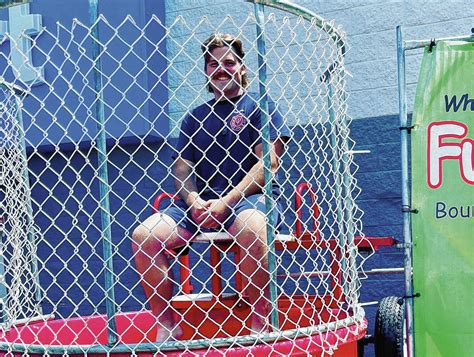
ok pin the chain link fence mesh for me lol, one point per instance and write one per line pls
(152, 76)
(18, 250)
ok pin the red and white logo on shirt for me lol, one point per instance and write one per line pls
(237, 122)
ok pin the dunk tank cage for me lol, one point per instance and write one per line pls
(83, 157)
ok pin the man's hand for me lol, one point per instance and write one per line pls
(199, 211)
(217, 212)
(208, 214)
(197, 206)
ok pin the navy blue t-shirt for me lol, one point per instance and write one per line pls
(220, 137)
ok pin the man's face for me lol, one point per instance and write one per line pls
(225, 72)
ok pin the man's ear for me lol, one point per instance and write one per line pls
(243, 69)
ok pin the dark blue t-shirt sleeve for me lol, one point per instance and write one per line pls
(185, 148)
(278, 128)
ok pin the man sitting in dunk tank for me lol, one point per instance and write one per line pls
(219, 177)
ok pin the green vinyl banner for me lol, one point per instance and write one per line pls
(442, 151)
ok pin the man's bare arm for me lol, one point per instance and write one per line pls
(254, 180)
(186, 187)
(184, 182)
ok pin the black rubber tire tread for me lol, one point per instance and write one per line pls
(389, 328)
(360, 348)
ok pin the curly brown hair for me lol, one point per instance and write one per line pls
(224, 40)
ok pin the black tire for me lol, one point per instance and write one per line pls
(389, 322)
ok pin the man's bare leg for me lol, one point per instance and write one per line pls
(150, 239)
(249, 229)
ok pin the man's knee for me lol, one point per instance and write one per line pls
(160, 231)
(141, 234)
(252, 222)
(250, 231)
(156, 227)
(252, 237)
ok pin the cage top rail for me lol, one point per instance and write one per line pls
(414, 44)
(336, 35)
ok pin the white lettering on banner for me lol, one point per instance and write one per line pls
(439, 150)
(467, 168)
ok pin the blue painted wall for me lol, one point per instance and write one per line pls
(69, 115)
(60, 123)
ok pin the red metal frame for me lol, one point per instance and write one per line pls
(306, 239)
(299, 197)
(161, 197)
(216, 249)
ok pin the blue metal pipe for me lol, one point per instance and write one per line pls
(406, 194)
(337, 174)
(349, 251)
(104, 187)
(265, 123)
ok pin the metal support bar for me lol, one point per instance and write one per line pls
(3, 283)
(265, 124)
(357, 152)
(29, 208)
(342, 179)
(337, 178)
(319, 273)
(348, 212)
(406, 196)
(103, 178)
(411, 45)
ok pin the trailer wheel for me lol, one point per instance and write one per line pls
(389, 327)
